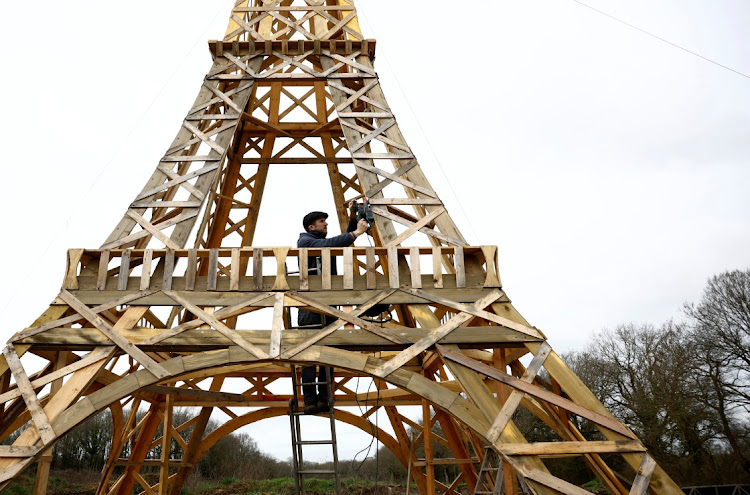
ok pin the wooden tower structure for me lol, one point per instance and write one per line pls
(147, 322)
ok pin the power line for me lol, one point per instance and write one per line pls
(662, 39)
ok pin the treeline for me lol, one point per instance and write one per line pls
(683, 387)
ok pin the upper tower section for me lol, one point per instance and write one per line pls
(293, 20)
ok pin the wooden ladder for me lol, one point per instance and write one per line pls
(297, 443)
(487, 484)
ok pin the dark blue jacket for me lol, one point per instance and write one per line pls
(317, 239)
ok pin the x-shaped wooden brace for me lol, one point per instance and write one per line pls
(213, 320)
(112, 334)
(435, 335)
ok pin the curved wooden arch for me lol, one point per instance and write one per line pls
(271, 412)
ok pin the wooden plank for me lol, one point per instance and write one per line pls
(437, 267)
(218, 325)
(122, 278)
(506, 322)
(192, 269)
(325, 267)
(348, 268)
(153, 230)
(277, 325)
(416, 226)
(19, 450)
(195, 393)
(490, 259)
(280, 283)
(371, 273)
(332, 327)
(643, 476)
(213, 268)
(458, 263)
(304, 282)
(258, 268)
(393, 278)
(365, 325)
(95, 355)
(430, 339)
(572, 448)
(41, 422)
(120, 341)
(406, 201)
(225, 312)
(512, 403)
(234, 273)
(415, 268)
(71, 270)
(29, 332)
(537, 392)
(148, 256)
(168, 270)
(550, 481)
(101, 277)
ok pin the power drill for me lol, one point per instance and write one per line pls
(364, 212)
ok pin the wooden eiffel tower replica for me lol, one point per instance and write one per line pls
(149, 323)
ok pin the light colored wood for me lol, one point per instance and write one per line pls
(434, 336)
(490, 259)
(101, 278)
(71, 278)
(41, 422)
(325, 268)
(277, 325)
(643, 476)
(303, 267)
(331, 328)
(532, 332)
(215, 323)
(120, 341)
(191, 270)
(458, 261)
(258, 268)
(280, 283)
(416, 226)
(365, 325)
(370, 268)
(122, 278)
(148, 255)
(93, 356)
(540, 393)
(348, 268)
(393, 275)
(437, 268)
(234, 274)
(414, 268)
(169, 264)
(576, 448)
(506, 412)
(213, 269)
(18, 451)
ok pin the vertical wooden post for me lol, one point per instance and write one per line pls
(166, 445)
(427, 436)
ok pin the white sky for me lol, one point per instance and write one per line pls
(609, 167)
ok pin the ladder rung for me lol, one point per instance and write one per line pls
(312, 383)
(314, 442)
(302, 413)
(491, 469)
(316, 471)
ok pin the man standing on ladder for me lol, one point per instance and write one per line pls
(315, 236)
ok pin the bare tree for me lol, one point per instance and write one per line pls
(721, 334)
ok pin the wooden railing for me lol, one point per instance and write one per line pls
(282, 268)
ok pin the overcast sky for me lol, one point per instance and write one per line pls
(609, 167)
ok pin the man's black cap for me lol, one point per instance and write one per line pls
(311, 217)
